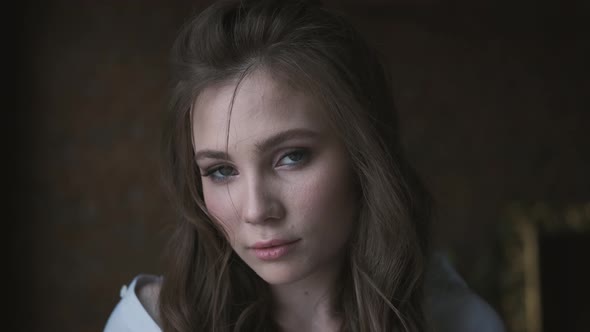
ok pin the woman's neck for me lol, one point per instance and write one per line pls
(307, 304)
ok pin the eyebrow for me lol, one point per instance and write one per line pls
(263, 145)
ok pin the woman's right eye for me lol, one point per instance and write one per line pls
(220, 173)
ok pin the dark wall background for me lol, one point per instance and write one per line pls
(493, 100)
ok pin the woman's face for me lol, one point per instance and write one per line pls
(280, 183)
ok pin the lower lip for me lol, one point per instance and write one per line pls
(274, 253)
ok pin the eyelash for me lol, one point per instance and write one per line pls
(304, 156)
(210, 173)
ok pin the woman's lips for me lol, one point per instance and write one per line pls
(274, 249)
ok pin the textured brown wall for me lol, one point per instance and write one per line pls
(493, 105)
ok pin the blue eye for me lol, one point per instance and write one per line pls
(293, 158)
(220, 173)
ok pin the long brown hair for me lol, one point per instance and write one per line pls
(207, 287)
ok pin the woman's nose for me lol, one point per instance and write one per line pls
(260, 201)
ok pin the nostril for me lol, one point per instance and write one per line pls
(260, 201)
(262, 208)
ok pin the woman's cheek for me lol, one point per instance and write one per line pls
(216, 203)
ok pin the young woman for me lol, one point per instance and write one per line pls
(298, 211)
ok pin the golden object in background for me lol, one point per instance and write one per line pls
(522, 306)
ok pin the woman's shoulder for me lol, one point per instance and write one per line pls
(137, 308)
(450, 305)
(148, 294)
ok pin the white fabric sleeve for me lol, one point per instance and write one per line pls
(129, 314)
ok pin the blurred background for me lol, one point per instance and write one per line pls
(493, 98)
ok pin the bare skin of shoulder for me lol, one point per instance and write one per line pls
(148, 295)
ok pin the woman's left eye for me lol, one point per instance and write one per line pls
(293, 158)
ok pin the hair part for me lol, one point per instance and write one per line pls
(207, 286)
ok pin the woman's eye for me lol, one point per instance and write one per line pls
(221, 173)
(293, 158)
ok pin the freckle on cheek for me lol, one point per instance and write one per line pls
(226, 226)
(227, 229)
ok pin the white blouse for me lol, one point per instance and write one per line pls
(450, 305)
(129, 315)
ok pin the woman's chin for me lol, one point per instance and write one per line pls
(278, 275)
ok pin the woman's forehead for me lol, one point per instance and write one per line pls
(261, 106)
(257, 85)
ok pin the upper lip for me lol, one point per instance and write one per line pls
(272, 243)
